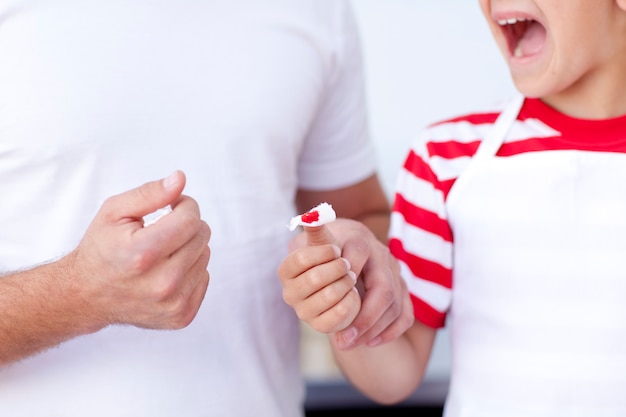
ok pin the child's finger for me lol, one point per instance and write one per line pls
(320, 277)
(340, 315)
(327, 297)
(305, 258)
(319, 235)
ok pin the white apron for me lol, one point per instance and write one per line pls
(538, 316)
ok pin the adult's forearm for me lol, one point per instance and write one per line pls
(41, 308)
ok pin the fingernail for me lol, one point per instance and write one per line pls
(350, 272)
(171, 180)
(337, 251)
(349, 335)
(347, 262)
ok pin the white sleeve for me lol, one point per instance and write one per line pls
(338, 151)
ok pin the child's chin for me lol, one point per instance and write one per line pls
(530, 84)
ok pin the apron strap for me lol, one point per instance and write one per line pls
(491, 142)
(494, 138)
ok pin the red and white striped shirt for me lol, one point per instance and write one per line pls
(422, 236)
(533, 241)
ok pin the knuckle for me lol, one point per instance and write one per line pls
(180, 312)
(303, 315)
(300, 259)
(108, 207)
(303, 312)
(342, 311)
(206, 230)
(282, 272)
(388, 297)
(142, 261)
(189, 220)
(314, 279)
(288, 298)
(205, 257)
(108, 202)
(329, 295)
(324, 327)
(319, 278)
(164, 289)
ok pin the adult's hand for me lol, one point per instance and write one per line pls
(153, 277)
(121, 272)
(386, 310)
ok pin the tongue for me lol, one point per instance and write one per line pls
(532, 41)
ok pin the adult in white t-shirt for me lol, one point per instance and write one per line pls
(261, 105)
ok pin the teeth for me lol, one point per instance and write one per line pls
(512, 21)
(518, 52)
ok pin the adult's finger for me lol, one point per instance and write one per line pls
(379, 296)
(184, 282)
(175, 229)
(146, 198)
(198, 278)
(395, 329)
(357, 251)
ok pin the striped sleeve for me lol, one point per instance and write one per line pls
(420, 236)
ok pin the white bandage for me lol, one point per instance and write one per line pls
(317, 216)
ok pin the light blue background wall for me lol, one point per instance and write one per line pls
(425, 60)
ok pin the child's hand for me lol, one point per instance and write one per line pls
(318, 283)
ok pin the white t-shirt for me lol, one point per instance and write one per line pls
(253, 100)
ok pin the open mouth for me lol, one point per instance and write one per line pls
(525, 37)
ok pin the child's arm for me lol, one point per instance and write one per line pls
(391, 372)
(319, 285)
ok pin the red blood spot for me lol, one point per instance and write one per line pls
(310, 217)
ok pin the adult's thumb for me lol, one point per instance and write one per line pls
(319, 235)
(151, 196)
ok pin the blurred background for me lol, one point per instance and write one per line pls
(425, 60)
